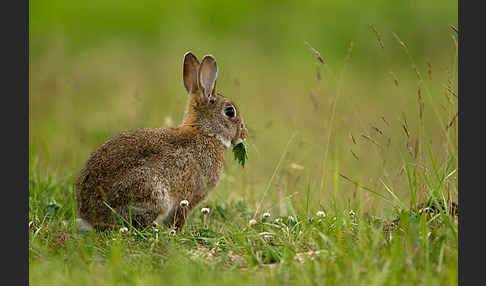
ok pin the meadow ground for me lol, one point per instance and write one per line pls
(362, 137)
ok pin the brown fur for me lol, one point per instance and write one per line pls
(143, 175)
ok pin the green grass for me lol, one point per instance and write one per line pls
(346, 247)
(366, 137)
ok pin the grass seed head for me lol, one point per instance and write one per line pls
(378, 37)
(316, 53)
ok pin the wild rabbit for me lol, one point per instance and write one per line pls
(158, 175)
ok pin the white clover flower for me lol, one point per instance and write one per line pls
(184, 203)
(123, 229)
(172, 232)
(252, 222)
(321, 214)
(266, 215)
(205, 211)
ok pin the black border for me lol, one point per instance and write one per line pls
(471, 121)
(15, 142)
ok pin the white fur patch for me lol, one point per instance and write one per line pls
(83, 224)
(225, 142)
(165, 201)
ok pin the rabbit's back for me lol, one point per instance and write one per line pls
(123, 152)
(150, 167)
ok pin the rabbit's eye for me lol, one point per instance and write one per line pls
(229, 111)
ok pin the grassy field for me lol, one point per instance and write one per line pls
(362, 137)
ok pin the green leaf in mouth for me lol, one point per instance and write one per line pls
(240, 153)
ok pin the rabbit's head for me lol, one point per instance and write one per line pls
(208, 111)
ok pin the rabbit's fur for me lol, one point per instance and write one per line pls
(142, 175)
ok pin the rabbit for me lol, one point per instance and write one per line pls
(157, 176)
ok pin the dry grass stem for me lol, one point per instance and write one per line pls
(378, 37)
(406, 130)
(415, 69)
(416, 149)
(377, 129)
(429, 69)
(451, 92)
(388, 142)
(420, 100)
(384, 120)
(314, 100)
(316, 53)
(395, 79)
(455, 43)
(452, 121)
(352, 137)
(454, 28)
(405, 125)
(370, 139)
(318, 73)
(349, 51)
(404, 46)
(274, 173)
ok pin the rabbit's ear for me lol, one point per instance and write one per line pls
(208, 73)
(189, 73)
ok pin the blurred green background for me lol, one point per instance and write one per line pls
(100, 67)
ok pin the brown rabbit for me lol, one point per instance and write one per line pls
(156, 175)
